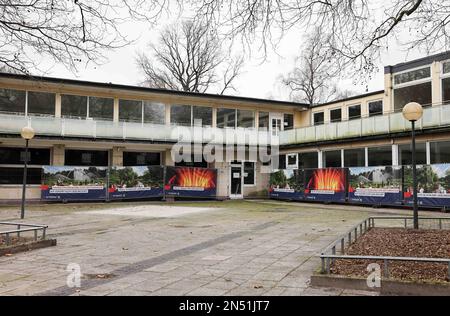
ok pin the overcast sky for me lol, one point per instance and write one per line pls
(260, 78)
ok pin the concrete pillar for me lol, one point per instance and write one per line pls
(388, 101)
(436, 84)
(167, 114)
(395, 155)
(428, 151)
(366, 156)
(214, 117)
(117, 156)
(167, 158)
(320, 159)
(58, 155)
(58, 105)
(116, 110)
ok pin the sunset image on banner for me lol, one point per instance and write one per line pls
(327, 179)
(191, 182)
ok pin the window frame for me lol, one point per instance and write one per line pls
(314, 120)
(354, 117)
(335, 109)
(413, 82)
(378, 113)
(289, 166)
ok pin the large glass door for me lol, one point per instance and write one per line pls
(276, 123)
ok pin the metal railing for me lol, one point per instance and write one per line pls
(21, 229)
(435, 116)
(330, 254)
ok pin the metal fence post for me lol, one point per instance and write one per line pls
(323, 265)
(342, 245)
(7, 239)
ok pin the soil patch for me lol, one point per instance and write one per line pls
(399, 243)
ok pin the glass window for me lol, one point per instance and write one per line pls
(282, 162)
(101, 108)
(86, 158)
(288, 122)
(420, 93)
(249, 173)
(196, 162)
(440, 152)
(375, 108)
(355, 157)
(245, 119)
(446, 90)
(354, 112)
(332, 159)
(202, 113)
(405, 154)
(413, 75)
(263, 120)
(180, 115)
(41, 103)
(308, 160)
(446, 67)
(16, 156)
(12, 101)
(154, 113)
(15, 175)
(74, 106)
(292, 161)
(130, 111)
(319, 118)
(131, 159)
(226, 118)
(336, 115)
(380, 156)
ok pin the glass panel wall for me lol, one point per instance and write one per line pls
(380, 156)
(202, 113)
(130, 111)
(41, 103)
(413, 75)
(12, 101)
(74, 106)
(420, 93)
(245, 119)
(355, 157)
(154, 113)
(308, 160)
(332, 159)
(101, 108)
(86, 158)
(440, 152)
(180, 115)
(141, 159)
(226, 118)
(405, 154)
(446, 90)
(16, 156)
(249, 173)
(263, 120)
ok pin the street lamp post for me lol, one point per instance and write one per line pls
(27, 134)
(413, 112)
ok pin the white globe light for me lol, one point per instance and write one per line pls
(413, 112)
(27, 133)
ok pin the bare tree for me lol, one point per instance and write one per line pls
(189, 58)
(358, 29)
(70, 32)
(313, 78)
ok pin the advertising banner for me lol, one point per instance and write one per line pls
(326, 185)
(375, 185)
(136, 182)
(433, 183)
(73, 183)
(287, 185)
(190, 182)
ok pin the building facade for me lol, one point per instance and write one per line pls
(81, 123)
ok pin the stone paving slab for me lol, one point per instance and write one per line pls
(217, 248)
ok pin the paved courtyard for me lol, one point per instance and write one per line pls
(206, 248)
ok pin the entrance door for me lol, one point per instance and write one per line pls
(276, 123)
(236, 181)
